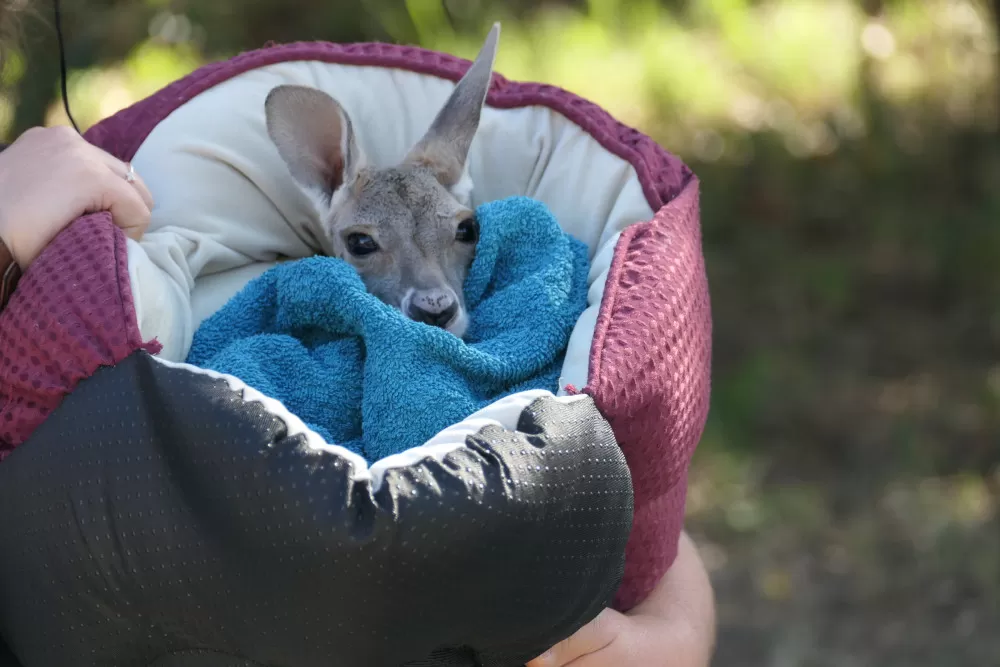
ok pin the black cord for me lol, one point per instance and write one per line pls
(62, 63)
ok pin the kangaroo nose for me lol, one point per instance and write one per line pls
(436, 307)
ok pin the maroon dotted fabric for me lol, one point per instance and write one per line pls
(649, 366)
(649, 375)
(71, 313)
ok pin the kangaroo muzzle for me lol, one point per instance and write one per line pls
(437, 307)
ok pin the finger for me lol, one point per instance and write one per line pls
(140, 186)
(128, 209)
(121, 169)
(591, 638)
(618, 654)
(650, 641)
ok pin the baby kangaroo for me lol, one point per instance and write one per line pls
(409, 230)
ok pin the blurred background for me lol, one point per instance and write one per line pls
(846, 494)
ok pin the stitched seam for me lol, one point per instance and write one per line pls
(609, 299)
(120, 254)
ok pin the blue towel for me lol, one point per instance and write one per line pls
(364, 376)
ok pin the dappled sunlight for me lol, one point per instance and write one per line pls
(100, 92)
(790, 67)
(693, 79)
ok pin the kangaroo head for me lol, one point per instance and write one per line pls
(409, 229)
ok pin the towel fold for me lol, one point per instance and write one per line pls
(363, 376)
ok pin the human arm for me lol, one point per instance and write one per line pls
(673, 627)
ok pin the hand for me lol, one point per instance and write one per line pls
(673, 627)
(51, 176)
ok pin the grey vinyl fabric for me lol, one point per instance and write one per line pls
(7, 658)
(158, 519)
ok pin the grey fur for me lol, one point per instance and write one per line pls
(412, 211)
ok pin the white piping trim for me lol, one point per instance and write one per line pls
(504, 413)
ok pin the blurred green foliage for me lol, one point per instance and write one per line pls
(847, 490)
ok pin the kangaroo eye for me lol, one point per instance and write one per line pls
(468, 231)
(360, 245)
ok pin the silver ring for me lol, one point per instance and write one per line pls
(130, 174)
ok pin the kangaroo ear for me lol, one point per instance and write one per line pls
(314, 137)
(445, 147)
